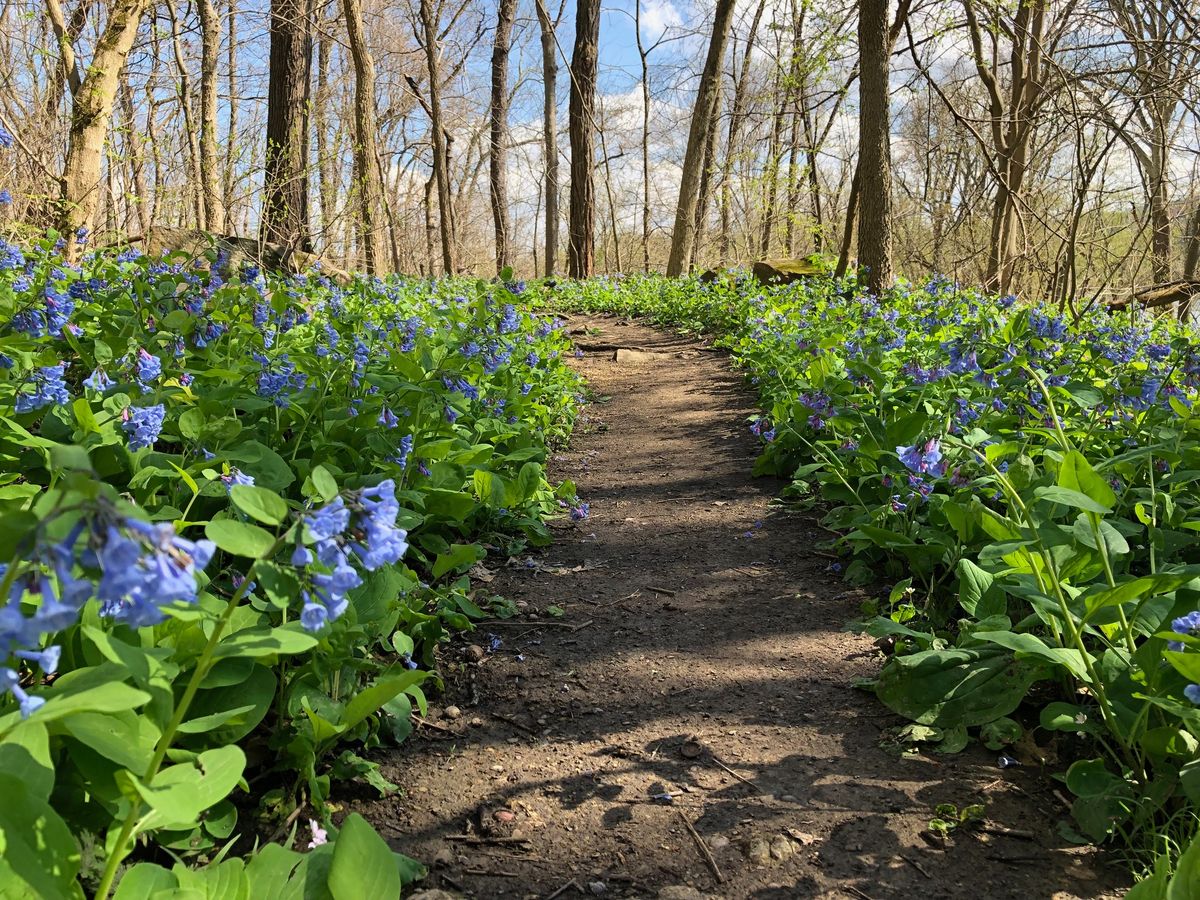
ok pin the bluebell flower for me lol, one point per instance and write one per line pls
(6, 139)
(236, 476)
(1192, 692)
(1186, 625)
(387, 418)
(143, 424)
(580, 512)
(923, 460)
(329, 521)
(510, 321)
(147, 368)
(98, 380)
(48, 389)
(5, 196)
(46, 660)
(451, 414)
(401, 457)
(384, 543)
(146, 567)
(10, 682)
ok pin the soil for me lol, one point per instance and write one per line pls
(697, 687)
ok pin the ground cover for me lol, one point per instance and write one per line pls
(1027, 483)
(236, 517)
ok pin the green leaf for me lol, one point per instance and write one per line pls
(967, 686)
(373, 698)
(146, 881)
(976, 592)
(1070, 497)
(277, 873)
(1076, 473)
(324, 483)
(110, 697)
(258, 642)
(279, 584)
(1091, 778)
(1028, 645)
(25, 755)
(240, 538)
(1185, 884)
(458, 557)
(363, 864)
(180, 793)
(38, 847)
(259, 503)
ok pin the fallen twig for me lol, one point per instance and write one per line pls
(659, 590)
(916, 865)
(740, 778)
(488, 874)
(1001, 831)
(857, 893)
(702, 847)
(513, 722)
(537, 623)
(434, 725)
(562, 890)
(475, 839)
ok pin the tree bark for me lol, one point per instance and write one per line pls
(875, 163)
(91, 113)
(285, 204)
(736, 116)
(183, 93)
(441, 153)
(581, 227)
(210, 183)
(684, 236)
(366, 152)
(499, 131)
(231, 149)
(550, 133)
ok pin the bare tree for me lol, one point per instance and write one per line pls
(581, 230)
(91, 112)
(684, 235)
(874, 145)
(285, 202)
(210, 183)
(441, 152)
(550, 130)
(367, 181)
(499, 130)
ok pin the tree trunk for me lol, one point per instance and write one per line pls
(643, 55)
(706, 179)
(90, 115)
(231, 154)
(210, 183)
(550, 133)
(736, 115)
(875, 163)
(581, 227)
(190, 134)
(499, 131)
(367, 183)
(441, 153)
(285, 188)
(684, 236)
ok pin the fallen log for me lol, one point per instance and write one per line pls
(232, 250)
(1155, 295)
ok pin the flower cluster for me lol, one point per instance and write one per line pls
(366, 527)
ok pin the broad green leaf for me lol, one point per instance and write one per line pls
(38, 845)
(1070, 497)
(363, 864)
(259, 503)
(1026, 645)
(258, 642)
(968, 686)
(180, 793)
(371, 699)
(145, 881)
(240, 538)
(459, 556)
(1076, 473)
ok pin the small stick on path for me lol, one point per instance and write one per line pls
(659, 590)
(513, 722)
(916, 865)
(562, 890)
(473, 839)
(434, 725)
(702, 847)
(857, 893)
(734, 774)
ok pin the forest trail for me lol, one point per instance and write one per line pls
(700, 654)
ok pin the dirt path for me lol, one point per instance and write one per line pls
(705, 630)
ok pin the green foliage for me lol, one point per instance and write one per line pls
(185, 610)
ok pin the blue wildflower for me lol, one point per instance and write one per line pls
(143, 424)
(48, 388)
